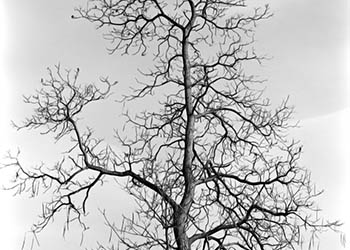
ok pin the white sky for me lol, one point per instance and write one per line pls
(309, 42)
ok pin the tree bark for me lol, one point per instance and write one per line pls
(181, 215)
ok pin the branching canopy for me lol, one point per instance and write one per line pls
(213, 167)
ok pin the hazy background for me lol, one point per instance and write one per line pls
(309, 43)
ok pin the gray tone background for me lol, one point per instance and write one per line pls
(309, 43)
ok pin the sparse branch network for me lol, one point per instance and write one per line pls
(217, 169)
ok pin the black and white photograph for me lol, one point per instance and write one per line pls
(174, 124)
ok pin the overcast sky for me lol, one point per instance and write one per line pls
(307, 40)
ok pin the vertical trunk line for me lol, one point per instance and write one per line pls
(182, 211)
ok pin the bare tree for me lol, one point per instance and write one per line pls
(212, 168)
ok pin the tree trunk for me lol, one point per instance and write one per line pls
(182, 211)
(180, 230)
